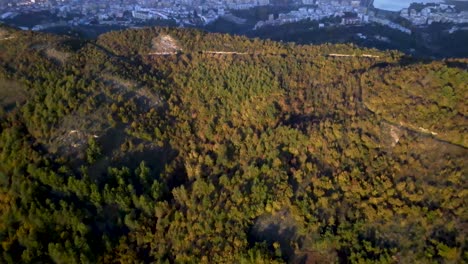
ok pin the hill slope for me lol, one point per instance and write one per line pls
(174, 145)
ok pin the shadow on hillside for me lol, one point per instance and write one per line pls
(278, 227)
(281, 229)
(122, 150)
(457, 64)
(404, 61)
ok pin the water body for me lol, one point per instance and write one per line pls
(397, 5)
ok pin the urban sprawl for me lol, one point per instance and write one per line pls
(198, 12)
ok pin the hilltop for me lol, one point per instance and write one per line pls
(177, 145)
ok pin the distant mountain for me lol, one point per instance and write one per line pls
(180, 146)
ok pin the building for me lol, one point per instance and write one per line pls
(346, 20)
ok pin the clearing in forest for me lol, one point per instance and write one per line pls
(164, 44)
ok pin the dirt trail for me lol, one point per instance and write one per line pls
(162, 53)
(270, 54)
(225, 52)
(7, 38)
(409, 127)
(352, 55)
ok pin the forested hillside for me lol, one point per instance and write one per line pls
(166, 145)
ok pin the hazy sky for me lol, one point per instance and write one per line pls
(396, 5)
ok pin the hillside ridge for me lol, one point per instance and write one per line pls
(267, 153)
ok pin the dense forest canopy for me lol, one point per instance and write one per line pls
(178, 146)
